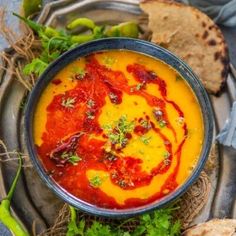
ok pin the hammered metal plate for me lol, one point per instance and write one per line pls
(33, 200)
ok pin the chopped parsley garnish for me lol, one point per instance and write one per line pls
(90, 115)
(145, 124)
(122, 183)
(68, 102)
(96, 181)
(138, 87)
(180, 120)
(73, 158)
(166, 154)
(145, 140)
(90, 103)
(112, 96)
(79, 72)
(117, 132)
(109, 61)
(166, 162)
(124, 125)
(162, 123)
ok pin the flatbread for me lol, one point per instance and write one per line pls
(191, 35)
(216, 227)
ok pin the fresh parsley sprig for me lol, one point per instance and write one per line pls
(117, 132)
(161, 222)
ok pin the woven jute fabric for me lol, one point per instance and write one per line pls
(192, 202)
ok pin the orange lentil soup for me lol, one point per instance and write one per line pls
(118, 129)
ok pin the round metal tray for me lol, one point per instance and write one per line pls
(33, 201)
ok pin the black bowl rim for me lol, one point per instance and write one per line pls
(139, 46)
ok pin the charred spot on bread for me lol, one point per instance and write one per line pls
(212, 42)
(217, 56)
(204, 24)
(205, 34)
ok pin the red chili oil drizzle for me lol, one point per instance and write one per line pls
(141, 74)
(73, 116)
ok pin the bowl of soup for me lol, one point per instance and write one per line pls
(118, 127)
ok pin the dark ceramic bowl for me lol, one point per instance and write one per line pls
(137, 46)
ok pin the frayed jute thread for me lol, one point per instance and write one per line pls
(26, 47)
(13, 156)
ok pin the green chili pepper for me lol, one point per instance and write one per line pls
(50, 32)
(38, 28)
(81, 22)
(5, 213)
(33, 25)
(82, 38)
(126, 29)
(98, 32)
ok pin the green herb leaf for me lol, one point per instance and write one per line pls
(145, 124)
(37, 66)
(90, 103)
(96, 181)
(109, 61)
(158, 223)
(74, 159)
(166, 154)
(145, 140)
(90, 115)
(117, 132)
(80, 72)
(72, 228)
(162, 123)
(68, 102)
(97, 229)
(175, 229)
(180, 120)
(138, 87)
(124, 125)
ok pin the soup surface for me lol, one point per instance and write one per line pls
(118, 129)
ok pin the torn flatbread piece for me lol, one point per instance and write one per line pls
(215, 227)
(191, 35)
